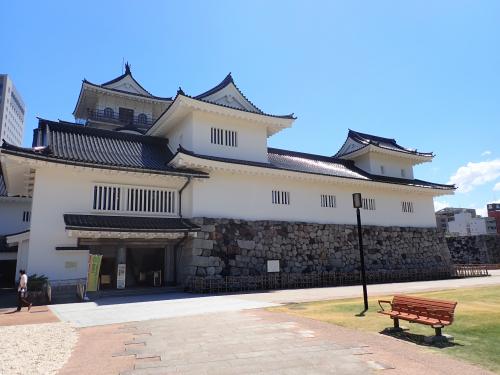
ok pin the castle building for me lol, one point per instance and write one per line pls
(187, 186)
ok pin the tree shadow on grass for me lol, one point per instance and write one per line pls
(418, 339)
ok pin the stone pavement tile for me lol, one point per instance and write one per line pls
(37, 315)
(94, 350)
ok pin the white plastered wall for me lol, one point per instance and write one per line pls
(371, 162)
(61, 190)
(194, 132)
(244, 196)
(11, 215)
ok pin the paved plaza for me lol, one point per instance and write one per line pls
(180, 333)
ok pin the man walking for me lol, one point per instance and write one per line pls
(22, 291)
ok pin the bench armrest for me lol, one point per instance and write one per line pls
(381, 301)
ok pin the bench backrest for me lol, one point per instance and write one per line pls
(431, 308)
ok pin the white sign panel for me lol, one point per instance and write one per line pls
(273, 266)
(120, 276)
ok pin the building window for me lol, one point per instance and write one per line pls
(369, 204)
(142, 119)
(382, 169)
(407, 207)
(134, 199)
(224, 137)
(280, 197)
(403, 173)
(328, 200)
(26, 216)
(108, 112)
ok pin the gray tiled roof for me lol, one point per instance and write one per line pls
(309, 163)
(321, 165)
(128, 223)
(81, 145)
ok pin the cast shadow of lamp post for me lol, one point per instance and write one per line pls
(357, 203)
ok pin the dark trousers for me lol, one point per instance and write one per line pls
(21, 300)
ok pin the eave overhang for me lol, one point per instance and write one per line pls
(182, 159)
(16, 238)
(415, 158)
(31, 159)
(183, 105)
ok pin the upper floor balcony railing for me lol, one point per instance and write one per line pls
(123, 118)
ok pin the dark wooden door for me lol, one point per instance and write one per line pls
(126, 115)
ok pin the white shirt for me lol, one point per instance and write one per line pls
(23, 282)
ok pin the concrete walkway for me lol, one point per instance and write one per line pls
(140, 308)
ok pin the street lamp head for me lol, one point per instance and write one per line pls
(357, 202)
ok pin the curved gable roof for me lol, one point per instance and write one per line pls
(363, 140)
(228, 82)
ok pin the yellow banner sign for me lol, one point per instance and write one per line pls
(93, 274)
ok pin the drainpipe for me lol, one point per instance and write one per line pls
(181, 241)
(180, 195)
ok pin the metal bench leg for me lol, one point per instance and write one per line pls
(396, 323)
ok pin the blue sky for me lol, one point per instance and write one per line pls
(424, 72)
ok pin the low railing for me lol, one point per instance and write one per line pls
(470, 270)
(293, 281)
(115, 118)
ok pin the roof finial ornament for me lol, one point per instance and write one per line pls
(180, 91)
(127, 68)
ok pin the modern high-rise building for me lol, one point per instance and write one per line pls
(12, 112)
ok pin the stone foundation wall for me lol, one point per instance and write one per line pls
(483, 249)
(242, 248)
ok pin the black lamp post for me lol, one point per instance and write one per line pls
(357, 202)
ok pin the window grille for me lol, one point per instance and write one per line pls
(382, 169)
(403, 173)
(108, 112)
(134, 199)
(224, 137)
(142, 118)
(280, 197)
(407, 207)
(328, 200)
(369, 204)
(26, 216)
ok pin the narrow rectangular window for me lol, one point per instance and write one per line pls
(280, 197)
(369, 204)
(407, 207)
(223, 137)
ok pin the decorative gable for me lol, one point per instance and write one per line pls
(227, 93)
(128, 84)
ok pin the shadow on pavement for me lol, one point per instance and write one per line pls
(418, 339)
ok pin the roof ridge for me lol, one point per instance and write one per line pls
(74, 127)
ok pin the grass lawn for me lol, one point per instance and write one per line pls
(476, 327)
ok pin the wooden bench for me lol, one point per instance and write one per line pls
(431, 312)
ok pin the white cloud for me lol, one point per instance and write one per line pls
(497, 186)
(475, 174)
(486, 153)
(439, 205)
(482, 211)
